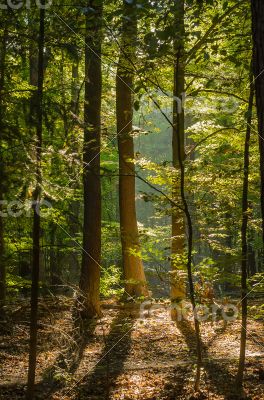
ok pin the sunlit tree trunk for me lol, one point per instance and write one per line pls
(2, 83)
(244, 243)
(257, 7)
(178, 231)
(252, 262)
(91, 257)
(135, 281)
(36, 105)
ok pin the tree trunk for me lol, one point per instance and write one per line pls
(178, 162)
(36, 215)
(75, 88)
(178, 231)
(257, 7)
(74, 207)
(2, 260)
(252, 262)
(91, 256)
(244, 244)
(54, 270)
(135, 281)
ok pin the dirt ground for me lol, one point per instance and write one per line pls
(124, 356)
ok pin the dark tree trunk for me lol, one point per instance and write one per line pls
(257, 7)
(54, 271)
(91, 257)
(75, 88)
(244, 244)
(178, 234)
(74, 207)
(135, 281)
(178, 161)
(36, 215)
(2, 174)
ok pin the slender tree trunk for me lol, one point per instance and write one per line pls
(74, 207)
(252, 264)
(178, 162)
(189, 262)
(36, 216)
(54, 273)
(257, 7)
(91, 257)
(135, 281)
(2, 259)
(75, 87)
(178, 231)
(244, 243)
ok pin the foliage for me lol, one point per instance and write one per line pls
(216, 80)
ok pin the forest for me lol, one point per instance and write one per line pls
(132, 199)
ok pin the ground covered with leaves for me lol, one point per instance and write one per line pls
(125, 356)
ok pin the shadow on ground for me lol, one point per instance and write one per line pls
(98, 382)
(216, 374)
(69, 358)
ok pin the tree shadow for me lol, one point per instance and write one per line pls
(98, 382)
(220, 331)
(116, 347)
(12, 391)
(218, 374)
(67, 362)
(175, 383)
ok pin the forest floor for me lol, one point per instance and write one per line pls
(122, 356)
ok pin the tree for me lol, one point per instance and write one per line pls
(244, 241)
(91, 256)
(2, 174)
(257, 9)
(135, 281)
(178, 234)
(37, 107)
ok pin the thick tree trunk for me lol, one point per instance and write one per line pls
(135, 281)
(36, 215)
(257, 7)
(91, 257)
(2, 259)
(244, 243)
(178, 230)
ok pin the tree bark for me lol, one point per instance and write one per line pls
(91, 256)
(178, 163)
(36, 214)
(74, 207)
(257, 8)
(75, 88)
(178, 230)
(54, 270)
(2, 174)
(135, 280)
(244, 242)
